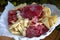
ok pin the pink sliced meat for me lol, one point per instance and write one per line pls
(32, 10)
(12, 16)
(35, 31)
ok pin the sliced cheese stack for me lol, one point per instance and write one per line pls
(49, 20)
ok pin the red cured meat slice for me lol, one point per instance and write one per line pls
(36, 31)
(12, 16)
(30, 11)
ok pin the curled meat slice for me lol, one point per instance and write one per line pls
(32, 10)
(36, 30)
(12, 17)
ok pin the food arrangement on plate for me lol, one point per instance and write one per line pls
(30, 20)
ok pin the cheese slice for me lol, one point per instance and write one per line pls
(53, 20)
(47, 11)
(45, 21)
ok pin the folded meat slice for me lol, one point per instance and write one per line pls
(12, 17)
(32, 10)
(36, 30)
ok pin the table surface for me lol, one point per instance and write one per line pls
(55, 35)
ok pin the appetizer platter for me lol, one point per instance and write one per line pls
(31, 20)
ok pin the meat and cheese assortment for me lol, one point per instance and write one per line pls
(30, 20)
